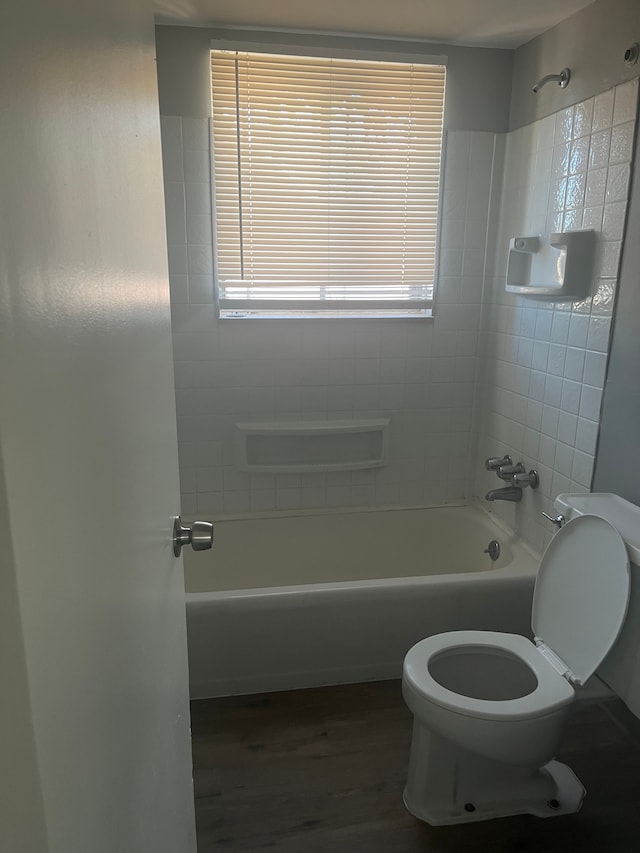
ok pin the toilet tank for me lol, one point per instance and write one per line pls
(620, 670)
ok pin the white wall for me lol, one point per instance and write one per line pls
(94, 734)
(478, 79)
(618, 444)
(592, 43)
(419, 373)
(545, 363)
(22, 819)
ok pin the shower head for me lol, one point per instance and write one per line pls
(562, 79)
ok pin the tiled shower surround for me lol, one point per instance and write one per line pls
(418, 373)
(490, 373)
(544, 363)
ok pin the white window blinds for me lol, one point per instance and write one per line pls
(326, 175)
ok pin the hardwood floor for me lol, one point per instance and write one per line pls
(322, 771)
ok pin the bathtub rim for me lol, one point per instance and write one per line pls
(296, 512)
(513, 569)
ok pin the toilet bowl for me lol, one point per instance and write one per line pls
(489, 708)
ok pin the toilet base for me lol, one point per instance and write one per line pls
(447, 785)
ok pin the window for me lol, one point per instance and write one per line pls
(327, 185)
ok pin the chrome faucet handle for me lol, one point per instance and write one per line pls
(495, 462)
(508, 472)
(531, 479)
(559, 520)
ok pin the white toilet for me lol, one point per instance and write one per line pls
(489, 708)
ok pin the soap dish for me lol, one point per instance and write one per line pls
(559, 270)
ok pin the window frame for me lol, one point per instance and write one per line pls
(332, 309)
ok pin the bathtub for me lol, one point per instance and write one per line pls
(304, 599)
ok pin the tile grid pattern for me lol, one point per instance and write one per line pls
(421, 374)
(545, 363)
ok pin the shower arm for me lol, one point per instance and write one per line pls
(562, 79)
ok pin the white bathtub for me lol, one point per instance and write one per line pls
(289, 600)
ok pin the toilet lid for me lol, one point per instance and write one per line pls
(581, 593)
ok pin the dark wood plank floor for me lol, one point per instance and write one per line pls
(322, 771)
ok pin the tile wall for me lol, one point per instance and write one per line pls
(421, 374)
(544, 364)
(492, 373)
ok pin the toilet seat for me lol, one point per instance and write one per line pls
(579, 605)
(581, 596)
(551, 692)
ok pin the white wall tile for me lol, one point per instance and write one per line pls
(560, 160)
(571, 396)
(582, 118)
(547, 453)
(553, 390)
(200, 289)
(622, 143)
(200, 260)
(560, 483)
(210, 479)
(175, 211)
(617, 183)
(578, 330)
(560, 327)
(555, 360)
(590, 401)
(603, 110)
(544, 370)
(199, 228)
(177, 256)
(598, 337)
(626, 102)
(534, 414)
(195, 134)
(574, 364)
(550, 418)
(582, 469)
(179, 288)
(596, 186)
(196, 166)
(567, 426)
(198, 198)
(564, 125)
(587, 188)
(586, 436)
(595, 367)
(603, 297)
(563, 462)
(579, 156)
(540, 355)
(599, 149)
(592, 217)
(544, 321)
(613, 221)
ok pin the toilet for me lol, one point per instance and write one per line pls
(489, 708)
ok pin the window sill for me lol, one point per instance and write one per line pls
(261, 314)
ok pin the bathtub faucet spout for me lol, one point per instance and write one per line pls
(509, 493)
